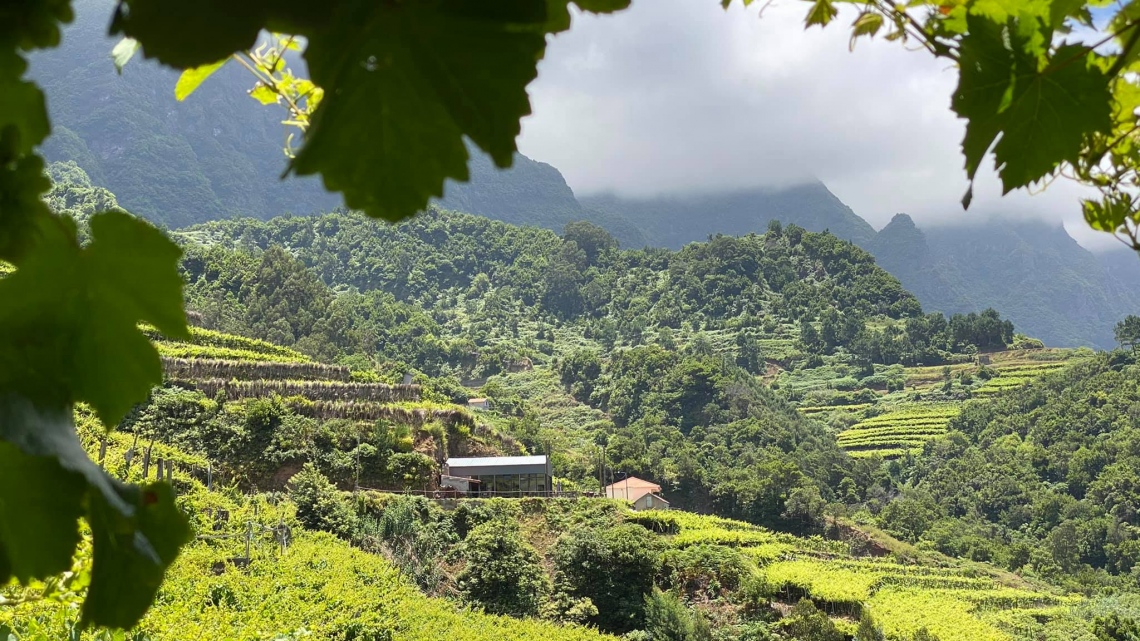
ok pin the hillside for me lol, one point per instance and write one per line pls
(1035, 274)
(219, 153)
(411, 569)
(185, 163)
(875, 470)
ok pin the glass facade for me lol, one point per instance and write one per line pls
(510, 485)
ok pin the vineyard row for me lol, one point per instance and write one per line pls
(313, 390)
(199, 369)
(369, 411)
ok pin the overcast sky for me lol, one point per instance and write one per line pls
(682, 96)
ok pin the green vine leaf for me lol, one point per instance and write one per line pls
(35, 541)
(422, 75)
(1042, 115)
(1051, 114)
(131, 549)
(33, 25)
(403, 83)
(68, 330)
(47, 482)
(22, 184)
(173, 31)
(191, 79)
(24, 120)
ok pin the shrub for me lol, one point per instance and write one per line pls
(666, 619)
(613, 567)
(504, 574)
(320, 506)
(846, 384)
(704, 570)
(807, 622)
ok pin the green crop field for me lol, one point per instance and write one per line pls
(895, 433)
(954, 601)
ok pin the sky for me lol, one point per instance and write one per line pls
(681, 96)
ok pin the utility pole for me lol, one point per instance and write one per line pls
(601, 467)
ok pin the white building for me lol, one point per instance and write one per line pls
(500, 475)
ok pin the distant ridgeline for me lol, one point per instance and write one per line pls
(218, 155)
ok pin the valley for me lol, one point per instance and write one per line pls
(296, 345)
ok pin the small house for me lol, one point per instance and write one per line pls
(501, 475)
(478, 404)
(645, 495)
(650, 502)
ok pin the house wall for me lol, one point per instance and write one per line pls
(650, 502)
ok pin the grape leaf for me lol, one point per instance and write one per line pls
(404, 82)
(422, 75)
(1110, 214)
(68, 327)
(32, 25)
(40, 506)
(984, 85)
(1051, 113)
(22, 183)
(47, 482)
(264, 95)
(558, 11)
(191, 79)
(172, 31)
(1042, 115)
(131, 549)
(821, 13)
(24, 118)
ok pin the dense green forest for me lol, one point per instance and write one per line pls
(1041, 478)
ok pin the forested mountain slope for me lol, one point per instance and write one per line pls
(185, 163)
(1043, 476)
(673, 339)
(219, 153)
(1035, 274)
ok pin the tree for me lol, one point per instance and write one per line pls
(504, 574)
(810, 339)
(808, 623)
(1127, 332)
(867, 630)
(613, 567)
(319, 504)
(590, 238)
(804, 507)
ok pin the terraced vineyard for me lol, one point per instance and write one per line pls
(894, 422)
(1017, 375)
(896, 433)
(241, 368)
(952, 600)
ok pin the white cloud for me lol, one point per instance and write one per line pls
(680, 95)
